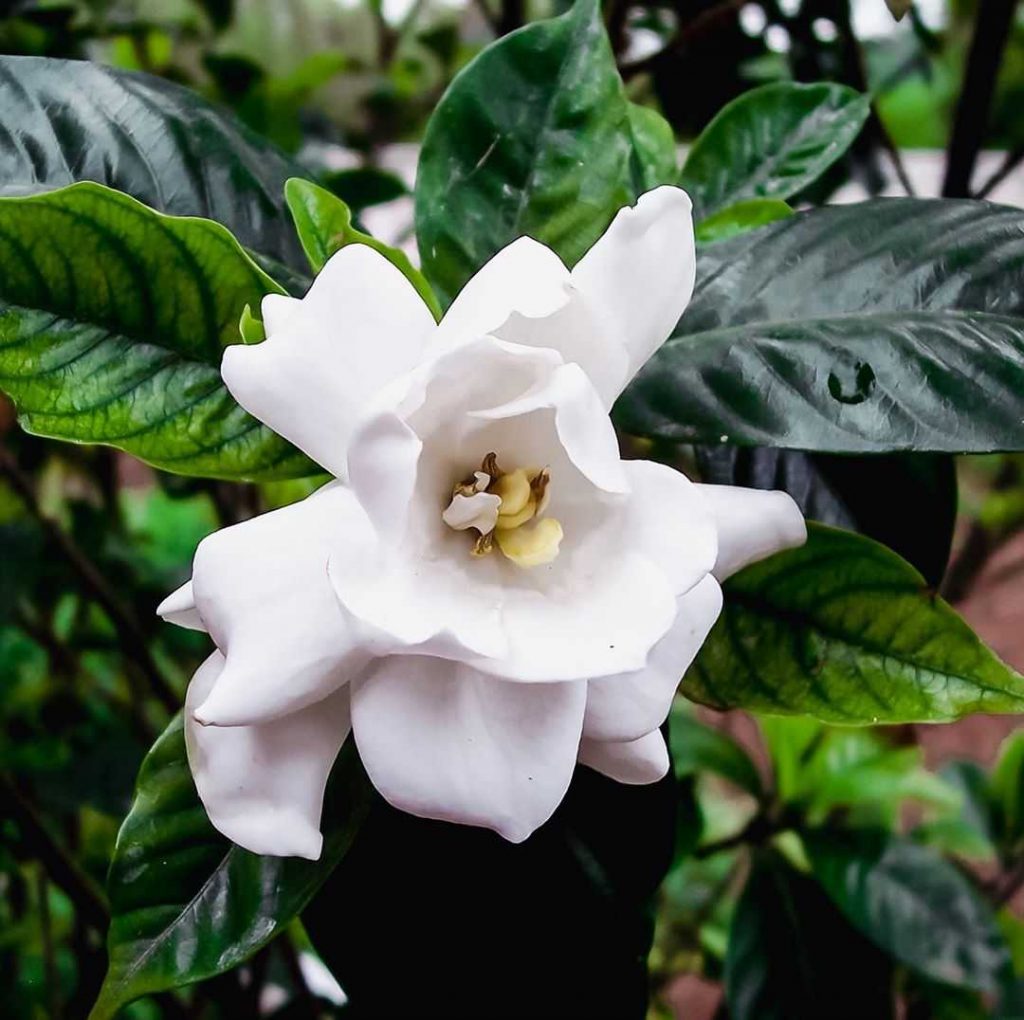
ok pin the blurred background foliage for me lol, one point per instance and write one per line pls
(90, 540)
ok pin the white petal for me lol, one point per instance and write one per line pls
(262, 590)
(440, 740)
(524, 277)
(179, 608)
(752, 524)
(639, 276)
(263, 786)
(626, 706)
(276, 310)
(637, 762)
(361, 325)
(671, 522)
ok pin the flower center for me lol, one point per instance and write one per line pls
(507, 509)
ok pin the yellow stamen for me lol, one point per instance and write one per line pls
(514, 490)
(532, 546)
(506, 522)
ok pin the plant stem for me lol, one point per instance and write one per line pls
(132, 639)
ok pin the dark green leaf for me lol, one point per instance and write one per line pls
(896, 324)
(915, 519)
(741, 217)
(365, 186)
(698, 748)
(324, 225)
(844, 630)
(912, 903)
(772, 142)
(63, 121)
(792, 956)
(534, 137)
(186, 904)
(113, 321)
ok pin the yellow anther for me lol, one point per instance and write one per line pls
(514, 490)
(506, 522)
(532, 546)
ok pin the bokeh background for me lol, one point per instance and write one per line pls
(90, 539)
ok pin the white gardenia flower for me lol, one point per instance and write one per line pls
(486, 594)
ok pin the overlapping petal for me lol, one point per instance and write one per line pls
(752, 524)
(261, 588)
(636, 762)
(263, 785)
(626, 706)
(361, 325)
(440, 740)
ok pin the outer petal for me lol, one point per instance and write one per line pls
(179, 608)
(262, 589)
(442, 741)
(671, 522)
(263, 786)
(629, 705)
(752, 524)
(524, 295)
(637, 762)
(361, 325)
(639, 276)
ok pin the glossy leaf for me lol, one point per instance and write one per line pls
(792, 955)
(844, 630)
(535, 136)
(186, 904)
(65, 120)
(698, 748)
(913, 904)
(915, 519)
(654, 147)
(741, 217)
(772, 142)
(1007, 789)
(896, 324)
(324, 225)
(113, 320)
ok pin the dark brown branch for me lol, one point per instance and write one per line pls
(132, 639)
(40, 842)
(991, 31)
(1013, 159)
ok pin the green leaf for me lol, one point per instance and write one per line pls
(324, 225)
(895, 324)
(1007, 789)
(113, 321)
(186, 904)
(843, 491)
(698, 748)
(771, 142)
(912, 903)
(792, 955)
(741, 217)
(534, 137)
(63, 121)
(844, 630)
(654, 147)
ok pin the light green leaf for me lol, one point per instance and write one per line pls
(844, 630)
(741, 217)
(324, 224)
(912, 903)
(771, 142)
(1007, 789)
(113, 321)
(534, 137)
(895, 324)
(186, 904)
(654, 147)
(698, 748)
